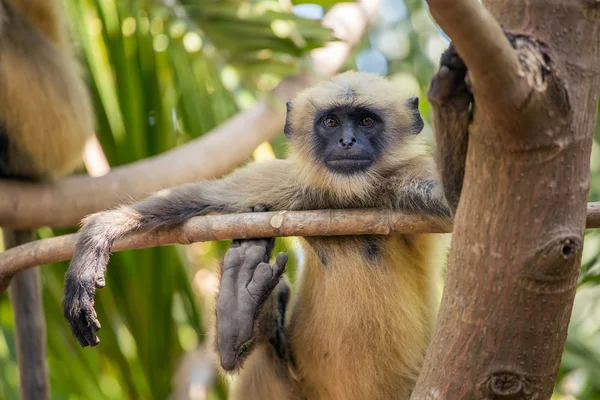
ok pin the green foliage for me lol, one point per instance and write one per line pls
(163, 75)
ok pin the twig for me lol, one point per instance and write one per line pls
(250, 225)
(65, 202)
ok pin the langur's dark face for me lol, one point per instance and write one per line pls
(349, 139)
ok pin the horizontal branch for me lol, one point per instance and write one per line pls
(250, 225)
(494, 68)
(64, 203)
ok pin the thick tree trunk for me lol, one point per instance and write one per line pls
(518, 231)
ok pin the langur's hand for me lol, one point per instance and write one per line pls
(78, 307)
(85, 275)
(247, 280)
(449, 86)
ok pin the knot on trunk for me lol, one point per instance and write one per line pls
(535, 63)
(554, 267)
(505, 385)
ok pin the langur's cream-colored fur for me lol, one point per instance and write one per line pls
(46, 111)
(359, 329)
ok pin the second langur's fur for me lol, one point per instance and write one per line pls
(46, 114)
(364, 305)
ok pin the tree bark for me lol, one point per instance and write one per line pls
(518, 231)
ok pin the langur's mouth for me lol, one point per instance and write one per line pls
(343, 161)
(348, 164)
(347, 157)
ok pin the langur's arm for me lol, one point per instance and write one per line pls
(265, 183)
(451, 100)
(418, 187)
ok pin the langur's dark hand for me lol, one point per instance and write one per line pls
(247, 280)
(81, 282)
(449, 83)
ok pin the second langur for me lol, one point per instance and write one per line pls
(364, 306)
(46, 116)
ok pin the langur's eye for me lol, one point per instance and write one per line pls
(330, 122)
(367, 121)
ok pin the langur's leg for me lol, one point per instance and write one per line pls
(251, 308)
(247, 281)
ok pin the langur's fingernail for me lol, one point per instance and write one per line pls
(100, 282)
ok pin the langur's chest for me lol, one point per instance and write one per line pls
(354, 249)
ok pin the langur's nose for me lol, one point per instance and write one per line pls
(347, 142)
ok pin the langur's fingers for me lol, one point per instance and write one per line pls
(228, 360)
(455, 62)
(279, 265)
(227, 334)
(92, 319)
(232, 259)
(251, 258)
(446, 81)
(84, 332)
(266, 243)
(92, 339)
(89, 332)
(74, 324)
(444, 71)
(261, 284)
(100, 281)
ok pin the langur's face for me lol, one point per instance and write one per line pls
(349, 139)
(355, 123)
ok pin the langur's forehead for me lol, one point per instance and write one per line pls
(350, 89)
(348, 95)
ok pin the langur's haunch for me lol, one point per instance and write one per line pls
(360, 318)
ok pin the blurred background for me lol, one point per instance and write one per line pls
(166, 72)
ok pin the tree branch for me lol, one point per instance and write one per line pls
(494, 68)
(250, 225)
(65, 202)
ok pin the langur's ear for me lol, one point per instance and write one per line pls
(287, 129)
(418, 124)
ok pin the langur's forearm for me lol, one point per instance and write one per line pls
(451, 133)
(451, 103)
